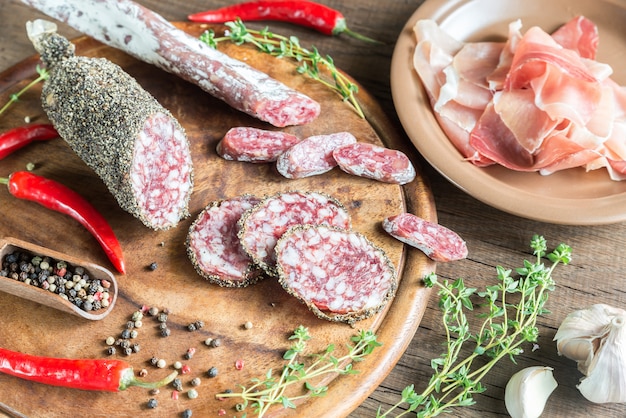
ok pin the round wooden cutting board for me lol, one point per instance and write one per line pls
(174, 285)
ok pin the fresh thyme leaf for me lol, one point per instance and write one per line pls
(310, 61)
(272, 390)
(43, 75)
(506, 325)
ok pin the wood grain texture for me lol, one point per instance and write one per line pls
(596, 274)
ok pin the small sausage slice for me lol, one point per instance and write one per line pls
(312, 156)
(437, 242)
(254, 145)
(375, 162)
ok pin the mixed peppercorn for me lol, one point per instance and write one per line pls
(72, 283)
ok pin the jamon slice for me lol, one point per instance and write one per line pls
(339, 274)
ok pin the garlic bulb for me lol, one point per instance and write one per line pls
(528, 390)
(596, 339)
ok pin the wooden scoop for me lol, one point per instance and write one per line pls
(53, 300)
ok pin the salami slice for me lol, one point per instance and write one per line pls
(375, 162)
(118, 129)
(312, 156)
(254, 145)
(339, 274)
(214, 248)
(147, 36)
(436, 241)
(262, 225)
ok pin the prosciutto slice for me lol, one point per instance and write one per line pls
(535, 102)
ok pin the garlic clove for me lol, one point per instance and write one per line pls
(528, 390)
(606, 380)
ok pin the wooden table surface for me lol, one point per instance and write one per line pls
(596, 274)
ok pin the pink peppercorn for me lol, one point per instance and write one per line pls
(221, 412)
(239, 364)
(185, 369)
(175, 395)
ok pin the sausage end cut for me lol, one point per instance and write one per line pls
(339, 274)
(436, 241)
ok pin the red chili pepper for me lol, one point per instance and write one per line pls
(300, 12)
(16, 138)
(55, 196)
(109, 375)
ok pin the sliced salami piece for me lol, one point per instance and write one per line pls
(436, 241)
(339, 274)
(375, 162)
(118, 129)
(263, 225)
(254, 145)
(312, 156)
(147, 36)
(214, 248)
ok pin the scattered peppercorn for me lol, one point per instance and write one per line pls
(137, 315)
(125, 334)
(212, 372)
(111, 350)
(153, 266)
(185, 369)
(186, 413)
(162, 317)
(239, 364)
(216, 342)
(192, 393)
(195, 381)
(178, 384)
(143, 373)
(152, 403)
(154, 361)
(110, 341)
(136, 348)
(240, 407)
(165, 332)
(191, 327)
(178, 365)
(154, 391)
(161, 363)
(247, 325)
(153, 311)
(175, 395)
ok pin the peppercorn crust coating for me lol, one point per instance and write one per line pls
(338, 274)
(214, 247)
(118, 129)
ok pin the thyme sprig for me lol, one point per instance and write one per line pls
(43, 75)
(310, 61)
(271, 390)
(506, 326)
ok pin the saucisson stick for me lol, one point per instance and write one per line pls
(147, 36)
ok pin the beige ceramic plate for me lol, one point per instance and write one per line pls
(567, 197)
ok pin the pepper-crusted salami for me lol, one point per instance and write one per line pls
(375, 162)
(436, 241)
(147, 36)
(339, 274)
(118, 129)
(312, 156)
(213, 245)
(254, 145)
(262, 225)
